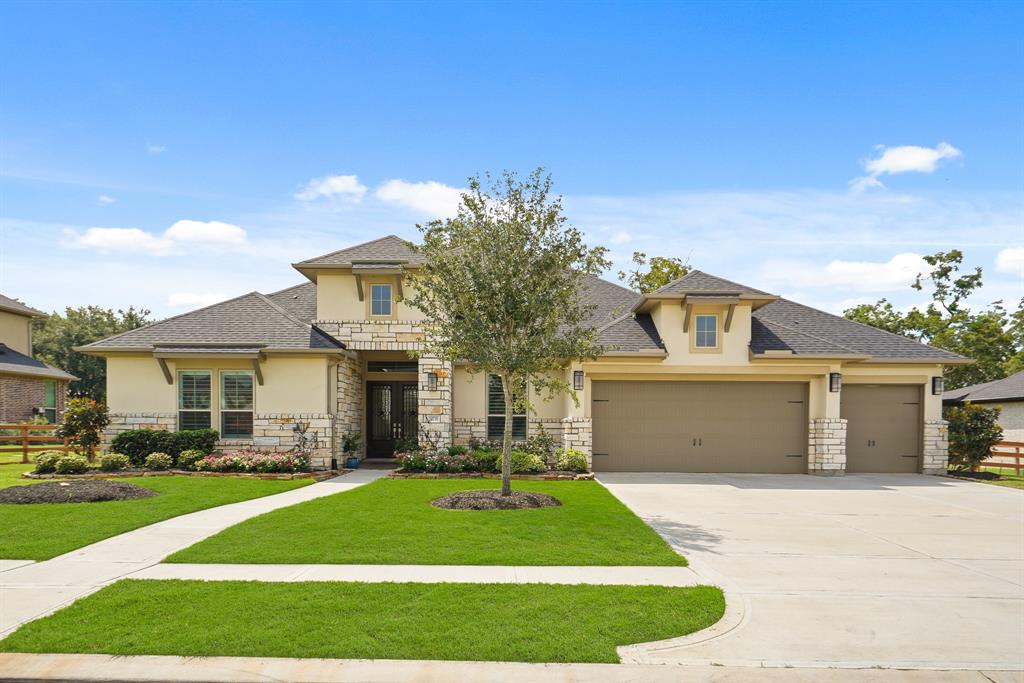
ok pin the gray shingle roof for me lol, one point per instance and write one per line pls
(389, 249)
(631, 333)
(1007, 389)
(612, 300)
(299, 300)
(13, 362)
(817, 327)
(15, 306)
(766, 335)
(697, 281)
(249, 319)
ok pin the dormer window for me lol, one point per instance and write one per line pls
(706, 331)
(380, 300)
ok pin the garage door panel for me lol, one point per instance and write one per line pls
(699, 426)
(883, 427)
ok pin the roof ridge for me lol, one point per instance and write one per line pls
(812, 336)
(173, 317)
(304, 325)
(676, 281)
(352, 246)
(614, 322)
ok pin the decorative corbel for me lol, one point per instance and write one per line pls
(167, 371)
(258, 370)
(728, 317)
(687, 314)
(359, 286)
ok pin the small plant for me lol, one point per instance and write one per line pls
(541, 444)
(138, 443)
(527, 463)
(159, 461)
(71, 463)
(253, 461)
(112, 462)
(188, 459)
(406, 445)
(84, 420)
(973, 431)
(352, 441)
(46, 462)
(485, 460)
(457, 450)
(571, 460)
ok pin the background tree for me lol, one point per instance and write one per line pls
(973, 431)
(500, 288)
(994, 337)
(654, 274)
(55, 336)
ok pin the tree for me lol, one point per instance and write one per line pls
(973, 431)
(83, 423)
(501, 289)
(661, 270)
(994, 337)
(55, 337)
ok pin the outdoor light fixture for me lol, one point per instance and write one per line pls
(938, 385)
(431, 381)
(835, 382)
(577, 380)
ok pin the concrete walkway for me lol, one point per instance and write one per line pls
(24, 667)
(897, 571)
(33, 590)
(377, 573)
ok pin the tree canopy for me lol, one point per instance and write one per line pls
(501, 289)
(55, 336)
(994, 337)
(655, 273)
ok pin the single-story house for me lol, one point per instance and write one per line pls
(28, 387)
(702, 375)
(1007, 394)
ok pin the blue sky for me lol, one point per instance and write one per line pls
(167, 155)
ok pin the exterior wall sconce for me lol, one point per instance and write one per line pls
(835, 382)
(431, 381)
(577, 380)
(938, 385)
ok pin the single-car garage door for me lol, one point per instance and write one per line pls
(883, 427)
(665, 426)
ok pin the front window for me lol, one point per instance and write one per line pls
(707, 332)
(496, 412)
(50, 401)
(194, 399)
(380, 300)
(236, 402)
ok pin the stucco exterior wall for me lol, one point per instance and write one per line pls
(733, 345)
(470, 400)
(337, 297)
(16, 332)
(1011, 419)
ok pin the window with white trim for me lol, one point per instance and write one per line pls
(50, 401)
(380, 299)
(707, 332)
(236, 403)
(496, 412)
(195, 398)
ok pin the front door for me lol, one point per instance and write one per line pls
(390, 415)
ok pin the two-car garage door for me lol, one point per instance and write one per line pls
(666, 426)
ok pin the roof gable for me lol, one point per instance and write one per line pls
(390, 249)
(14, 306)
(1007, 389)
(697, 281)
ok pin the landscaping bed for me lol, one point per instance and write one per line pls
(446, 621)
(319, 475)
(493, 500)
(73, 492)
(547, 476)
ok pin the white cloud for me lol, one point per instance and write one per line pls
(1011, 260)
(344, 186)
(205, 231)
(902, 159)
(194, 299)
(896, 274)
(103, 200)
(106, 240)
(430, 197)
(620, 237)
(155, 149)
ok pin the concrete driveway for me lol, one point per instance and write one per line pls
(901, 571)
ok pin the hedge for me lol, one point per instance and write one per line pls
(138, 443)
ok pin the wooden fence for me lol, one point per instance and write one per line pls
(1006, 454)
(30, 439)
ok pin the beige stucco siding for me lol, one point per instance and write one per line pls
(16, 332)
(291, 384)
(470, 398)
(733, 345)
(338, 299)
(1011, 419)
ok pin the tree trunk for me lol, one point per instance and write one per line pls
(506, 443)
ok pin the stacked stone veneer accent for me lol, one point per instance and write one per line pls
(348, 413)
(276, 432)
(936, 447)
(826, 446)
(435, 406)
(375, 335)
(578, 433)
(122, 422)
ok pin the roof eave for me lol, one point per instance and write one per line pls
(921, 361)
(648, 300)
(808, 356)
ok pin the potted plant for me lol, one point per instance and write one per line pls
(350, 444)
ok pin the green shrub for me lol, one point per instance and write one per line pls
(485, 460)
(71, 463)
(525, 463)
(457, 450)
(973, 430)
(159, 461)
(188, 459)
(112, 462)
(138, 443)
(541, 444)
(46, 462)
(83, 423)
(571, 460)
(406, 445)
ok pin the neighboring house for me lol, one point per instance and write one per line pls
(1007, 394)
(28, 387)
(703, 375)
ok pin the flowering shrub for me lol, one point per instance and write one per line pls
(71, 463)
(159, 461)
(112, 462)
(46, 462)
(439, 461)
(571, 459)
(253, 461)
(189, 458)
(525, 463)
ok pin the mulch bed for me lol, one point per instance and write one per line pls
(987, 476)
(73, 492)
(318, 475)
(554, 475)
(493, 500)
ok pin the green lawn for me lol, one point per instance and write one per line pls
(498, 622)
(391, 521)
(1007, 477)
(39, 532)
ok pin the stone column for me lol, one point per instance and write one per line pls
(348, 409)
(578, 433)
(435, 405)
(936, 447)
(826, 446)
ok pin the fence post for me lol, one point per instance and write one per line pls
(24, 443)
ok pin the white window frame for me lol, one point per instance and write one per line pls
(224, 411)
(697, 331)
(208, 410)
(516, 416)
(390, 299)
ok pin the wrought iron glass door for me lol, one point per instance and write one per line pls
(390, 415)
